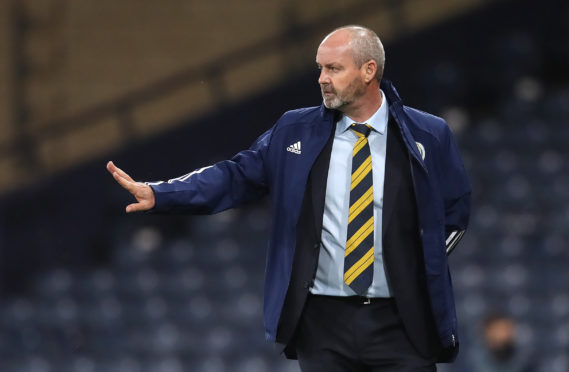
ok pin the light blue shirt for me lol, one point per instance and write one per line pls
(330, 273)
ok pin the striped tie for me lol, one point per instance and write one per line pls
(358, 259)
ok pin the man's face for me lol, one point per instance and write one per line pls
(500, 338)
(499, 333)
(340, 80)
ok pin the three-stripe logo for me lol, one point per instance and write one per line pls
(294, 148)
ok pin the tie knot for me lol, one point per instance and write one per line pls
(363, 129)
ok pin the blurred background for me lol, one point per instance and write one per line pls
(165, 87)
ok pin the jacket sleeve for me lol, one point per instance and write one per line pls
(456, 191)
(218, 187)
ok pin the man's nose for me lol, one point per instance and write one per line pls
(323, 78)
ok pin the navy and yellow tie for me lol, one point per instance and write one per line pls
(359, 255)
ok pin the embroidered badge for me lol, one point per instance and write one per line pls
(421, 150)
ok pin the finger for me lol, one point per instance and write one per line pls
(136, 207)
(131, 208)
(128, 185)
(111, 167)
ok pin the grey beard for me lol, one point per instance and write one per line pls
(333, 103)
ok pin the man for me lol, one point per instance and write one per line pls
(500, 351)
(368, 197)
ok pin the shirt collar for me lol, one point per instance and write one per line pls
(378, 121)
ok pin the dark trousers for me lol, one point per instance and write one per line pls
(338, 334)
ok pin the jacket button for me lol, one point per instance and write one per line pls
(316, 245)
(421, 232)
(306, 284)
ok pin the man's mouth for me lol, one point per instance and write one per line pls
(326, 91)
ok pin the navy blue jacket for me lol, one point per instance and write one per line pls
(441, 187)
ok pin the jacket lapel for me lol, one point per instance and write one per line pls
(395, 156)
(318, 179)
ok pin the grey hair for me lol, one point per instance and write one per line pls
(366, 46)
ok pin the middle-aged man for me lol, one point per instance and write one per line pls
(368, 198)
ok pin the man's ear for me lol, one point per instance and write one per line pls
(369, 70)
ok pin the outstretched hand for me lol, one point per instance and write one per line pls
(142, 192)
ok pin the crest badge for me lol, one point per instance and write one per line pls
(421, 150)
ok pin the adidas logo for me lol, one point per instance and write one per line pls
(295, 148)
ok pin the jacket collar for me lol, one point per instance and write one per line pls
(329, 114)
(391, 93)
(396, 109)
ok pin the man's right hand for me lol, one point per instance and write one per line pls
(142, 192)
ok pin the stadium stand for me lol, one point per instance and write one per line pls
(155, 302)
